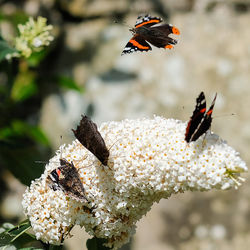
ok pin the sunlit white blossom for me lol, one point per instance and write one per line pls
(149, 160)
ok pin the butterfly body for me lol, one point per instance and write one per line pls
(148, 30)
(201, 119)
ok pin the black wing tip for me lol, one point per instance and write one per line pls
(201, 94)
(83, 117)
(215, 98)
(133, 51)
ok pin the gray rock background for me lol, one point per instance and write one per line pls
(213, 55)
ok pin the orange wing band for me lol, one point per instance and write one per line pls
(203, 110)
(136, 44)
(209, 112)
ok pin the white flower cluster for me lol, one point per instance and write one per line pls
(149, 160)
(34, 35)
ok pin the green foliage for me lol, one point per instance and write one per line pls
(19, 237)
(5, 49)
(24, 86)
(27, 82)
(96, 244)
(15, 18)
(53, 247)
(36, 58)
(21, 159)
(22, 142)
(16, 235)
(19, 128)
(68, 83)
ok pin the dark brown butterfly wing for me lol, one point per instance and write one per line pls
(136, 43)
(88, 135)
(158, 36)
(67, 179)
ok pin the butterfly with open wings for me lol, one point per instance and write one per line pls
(149, 30)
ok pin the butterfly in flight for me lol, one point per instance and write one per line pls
(89, 136)
(201, 119)
(149, 30)
(67, 179)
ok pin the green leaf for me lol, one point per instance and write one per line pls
(5, 132)
(21, 146)
(36, 58)
(19, 128)
(38, 135)
(16, 17)
(17, 235)
(31, 248)
(33, 132)
(53, 247)
(96, 244)
(21, 161)
(24, 86)
(68, 83)
(5, 49)
(20, 155)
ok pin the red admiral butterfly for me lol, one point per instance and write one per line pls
(148, 29)
(88, 135)
(67, 179)
(201, 119)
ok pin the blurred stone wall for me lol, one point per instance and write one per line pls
(213, 55)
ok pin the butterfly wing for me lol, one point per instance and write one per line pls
(89, 136)
(196, 118)
(147, 21)
(206, 122)
(166, 29)
(136, 43)
(67, 179)
(158, 35)
(71, 182)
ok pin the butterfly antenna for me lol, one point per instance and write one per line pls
(219, 116)
(114, 143)
(60, 147)
(123, 23)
